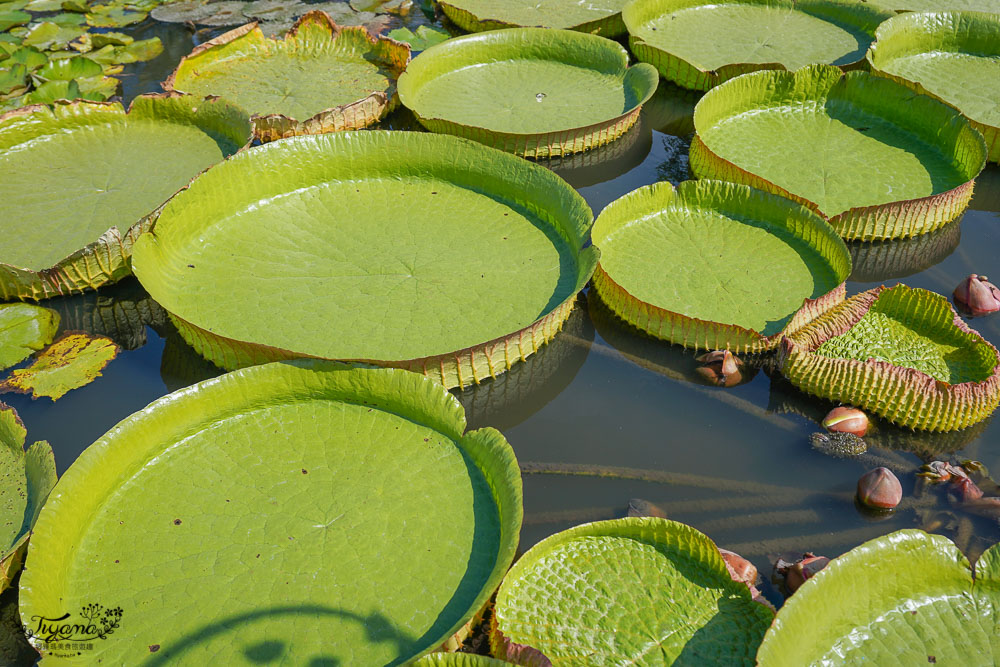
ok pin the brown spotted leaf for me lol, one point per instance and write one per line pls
(73, 361)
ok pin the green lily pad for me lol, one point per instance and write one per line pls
(919, 603)
(600, 17)
(13, 80)
(530, 91)
(77, 232)
(701, 44)
(111, 16)
(880, 261)
(50, 92)
(24, 329)
(31, 58)
(101, 39)
(70, 68)
(901, 353)
(629, 591)
(952, 56)
(453, 271)
(26, 478)
(989, 6)
(138, 51)
(876, 160)
(44, 5)
(48, 36)
(98, 87)
(73, 361)
(371, 528)
(319, 78)
(424, 38)
(716, 265)
(11, 18)
(78, 6)
(67, 19)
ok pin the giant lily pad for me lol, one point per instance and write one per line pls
(886, 260)
(876, 160)
(907, 598)
(901, 353)
(104, 170)
(992, 6)
(26, 477)
(629, 591)
(600, 17)
(530, 91)
(319, 78)
(717, 265)
(341, 507)
(952, 56)
(405, 249)
(24, 329)
(699, 43)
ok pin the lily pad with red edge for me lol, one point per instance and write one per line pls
(320, 78)
(901, 353)
(599, 17)
(873, 158)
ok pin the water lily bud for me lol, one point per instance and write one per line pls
(740, 569)
(805, 569)
(964, 490)
(846, 420)
(940, 471)
(721, 367)
(977, 295)
(880, 489)
(640, 507)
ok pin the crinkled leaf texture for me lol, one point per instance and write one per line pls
(951, 56)
(870, 155)
(599, 17)
(536, 92)
(73, 361)
(630, 591)
(407, 249)
(24, 329)
(83, 171)
(26, 478)
(907, 598)
(717, 265)
(320, 77)
(306, 510)
(902, 353)
(458, 660)
(699, 44)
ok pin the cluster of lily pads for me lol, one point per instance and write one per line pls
(344, 504)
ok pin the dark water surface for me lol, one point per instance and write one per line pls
(603, 414)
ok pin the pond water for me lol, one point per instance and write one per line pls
(604, 414)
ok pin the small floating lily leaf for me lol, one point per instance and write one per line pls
(31, 58)
(919, 603)
(24, 329)
(275, 10)
(530, 91)
(44, 5)
(51, 91)
(207, 464)
(424, 38)
(67, 226)
(111, 16)
(70, 68)
(953, 56)
(26, 478)
(193, 11)
(67, 19)
(716, 265)
(13, 80)
(932, 371)
(225, 13)
(80, 6)
(98, 87)
(602, 17)
(49, 36)
(73, 361)
(102, 39)
(319, 78)
(876, 160)
(527, 223)
(11, 18)
(627, 591)
(701, 44)
(138, 51)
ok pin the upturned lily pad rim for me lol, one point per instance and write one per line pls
(904, 396)
(609, 26)
(649, 530)
(571, 218)
(393, 54)
(690, 74)
(941, 123)
(485, 47)
(914, 33)
(783, 643)
(636, 207)
(102, 466)
(105, 260)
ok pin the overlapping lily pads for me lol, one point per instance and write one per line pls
(531, 91)
(699, 44)
(952, 56)
(345, 508)
(906, 598)
(408, 249)
(866, 153)
(717, 265)
(320, 78)
(600, 17)
(991, 6)
(901, 353)
(104, 171)
(628, 591)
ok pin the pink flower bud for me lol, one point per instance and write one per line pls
(880, 489)
(804, 570)
(977, 295)
(846, 420)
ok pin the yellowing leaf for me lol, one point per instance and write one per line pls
(73, 361)
(24, 329)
